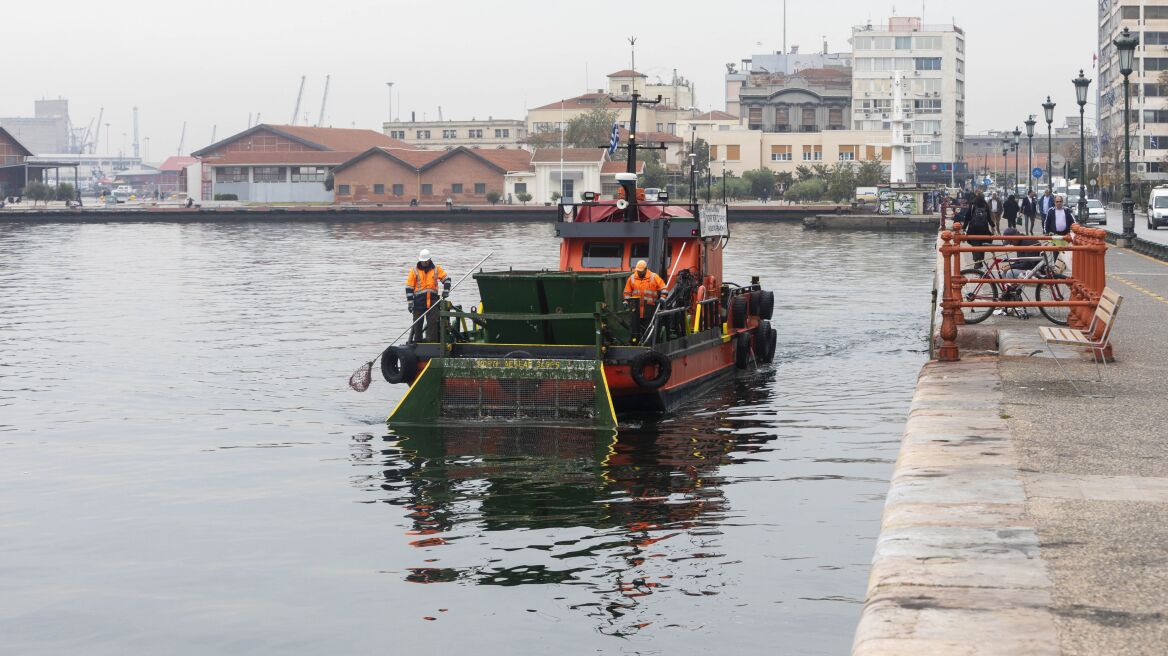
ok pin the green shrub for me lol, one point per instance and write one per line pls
(226, 196)
(523, 197)
(493, 197)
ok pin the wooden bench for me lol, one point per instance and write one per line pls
(1102, 323)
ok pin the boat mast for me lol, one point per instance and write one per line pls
(630, 186)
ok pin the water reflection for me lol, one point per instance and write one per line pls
(625, 516)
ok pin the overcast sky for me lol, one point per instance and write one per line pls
(214, 62)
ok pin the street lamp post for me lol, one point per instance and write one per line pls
(1005, 161)
(1081, 83)
(1126, 44)
(1029, 122)
(709, 183)
(390, 85)
(723, 180)
(1014, 147)
(1048, 109)
(693, 192)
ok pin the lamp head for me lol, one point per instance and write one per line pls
(1030, 126)
(1126, 44)
(1081, 83)
(1048, 109)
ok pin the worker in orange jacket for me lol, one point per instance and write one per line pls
(643, 290)
(422, 294)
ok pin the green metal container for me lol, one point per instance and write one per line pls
(549, 292)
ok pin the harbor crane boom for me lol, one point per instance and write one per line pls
(323, 101)
(299, 96)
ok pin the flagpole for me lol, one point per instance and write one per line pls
(563, 129)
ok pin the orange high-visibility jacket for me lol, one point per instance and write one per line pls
(425, 282)
(646, 290)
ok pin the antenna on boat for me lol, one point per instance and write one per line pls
(630, 185)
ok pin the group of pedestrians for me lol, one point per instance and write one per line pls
(979, 215)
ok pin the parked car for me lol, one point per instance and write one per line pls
(1096, 212)
(122, 193)
(1158, 207)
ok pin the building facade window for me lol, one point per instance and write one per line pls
(927, 42)
(807, 124)
(399, 189)
(928, 63)
(480, 188)
(268, 174)
(422, 134)
(450, 134)
(427, 189)
(1155, 116)
(904, 43)
(230, 174)
(543, 127)
(713, 152)
(309, 173)
(733, 153)
(847, 153)
(754, 118)
(456, 188)
(835, 118)
(476, 133)
(781, 153)
(343, 190)
(1155, 13)
(502, 133)
(521, 187)
(397, 134)
(378, 188)
(812, 153)
(1130, 13)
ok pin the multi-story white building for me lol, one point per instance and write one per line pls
(931, 60)
(778, 63)
(435, 135)
(1149, 97)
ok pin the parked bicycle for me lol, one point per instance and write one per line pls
(1047, 265)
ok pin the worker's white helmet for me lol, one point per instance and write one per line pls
(424, 256)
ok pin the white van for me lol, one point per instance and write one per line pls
(1158, 207)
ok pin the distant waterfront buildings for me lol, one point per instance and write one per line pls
(678, 101)
(46, 131)
(444, 135)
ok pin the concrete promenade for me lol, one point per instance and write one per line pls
(1023, 518)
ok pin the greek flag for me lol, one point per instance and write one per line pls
(614, 139)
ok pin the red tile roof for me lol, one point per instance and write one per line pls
(265, 158)
(546, 155)
(586, 101)
(651, 137)
(508, 159)
(717, 116)
(628, 72)
(620, 167)
(177, 163)
(337, 139)
(349, 139)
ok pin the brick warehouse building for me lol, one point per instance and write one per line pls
(282, 163)
(396, 176)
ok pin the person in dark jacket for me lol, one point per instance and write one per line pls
(1030, 211)
(979, 224)
(1058, 219)
(1011, 211)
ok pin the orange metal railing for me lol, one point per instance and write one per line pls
(1088, 251)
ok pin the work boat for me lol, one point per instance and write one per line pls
(562, 347)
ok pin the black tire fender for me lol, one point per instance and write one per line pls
(645, 359)
(759, 344)
(754, 303)
(772, 345)
(738, 311)
(399, 365)
(742, 351)
(766, 304)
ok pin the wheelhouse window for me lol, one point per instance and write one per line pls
(602, 255)
(641, 252)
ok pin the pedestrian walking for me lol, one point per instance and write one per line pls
(1011, 211)
(1030, 211)
(995, 211)
(1059, 219)
(979, 224)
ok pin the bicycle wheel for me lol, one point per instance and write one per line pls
(979, 291)
(1055, 292)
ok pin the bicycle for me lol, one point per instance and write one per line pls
(1045, 267)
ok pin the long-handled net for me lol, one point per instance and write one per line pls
(359, 381)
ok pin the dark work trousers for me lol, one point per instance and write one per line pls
(427, 329)
(640, 323)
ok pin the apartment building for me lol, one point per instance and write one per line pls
(931, 60)
(1147, 19)
(677, 104)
